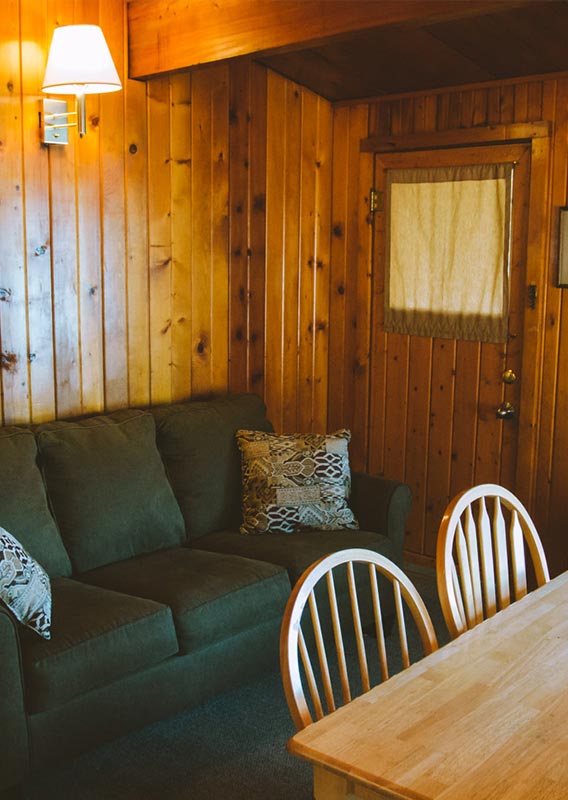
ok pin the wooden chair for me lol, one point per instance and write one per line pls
(298, 629)
(480, 559)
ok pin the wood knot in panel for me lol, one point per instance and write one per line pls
(8, 361)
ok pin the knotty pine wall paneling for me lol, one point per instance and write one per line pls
(418, 387)
(350, 302)
(38, 393)
(247, 223)
(181, 247)
(137, 213)
(210, 280)
(212, 232)
(160, 222)
(114, 276)
(13, 286)
(114, 111)
(298, 200)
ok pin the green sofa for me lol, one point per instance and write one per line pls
(159, 603)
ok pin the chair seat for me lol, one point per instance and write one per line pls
(293, 551)
(212, 595)
(98, 636)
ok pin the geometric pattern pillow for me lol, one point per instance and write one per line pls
(24, 586)
(294, 482)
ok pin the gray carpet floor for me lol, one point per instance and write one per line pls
(234, 747)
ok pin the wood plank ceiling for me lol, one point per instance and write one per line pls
(360, 49)
(393, 59)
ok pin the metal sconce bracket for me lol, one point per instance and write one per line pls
(53, 121)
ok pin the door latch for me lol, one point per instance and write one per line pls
(506, 410)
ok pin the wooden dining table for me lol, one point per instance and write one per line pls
(483, 718)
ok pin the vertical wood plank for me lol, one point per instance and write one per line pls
(419, 389)
(338, 388)
(202, 204)
(13, 280)
(219, 313)
(35, 41)
(439, 446)
(308, 261)
(63, 213)
(181, 178)
(322, 272)
(396, 399)
(210, 195)
(257, 229)
(297, 183)
(358, 292)
(275, 250)
(137, 182)
(239, 206)
(379, 339)
(160, 240)
(90, 283)
(361, 320)
(468, 358)
(491, 366)
(113, 225)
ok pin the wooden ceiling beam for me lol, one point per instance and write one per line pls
(170, 35)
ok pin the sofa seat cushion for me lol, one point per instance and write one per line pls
(98, 636)
(293, 551)
(212, 595)
(198, 445)
(108, 487)
(24, 510)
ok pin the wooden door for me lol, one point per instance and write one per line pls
(434, 402)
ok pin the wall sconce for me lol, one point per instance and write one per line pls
(79, 63)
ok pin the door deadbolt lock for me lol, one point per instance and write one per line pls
(509, 376)
(506, 411)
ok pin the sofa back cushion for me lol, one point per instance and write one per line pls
(198, 445)
(108, 488)
(24, 510)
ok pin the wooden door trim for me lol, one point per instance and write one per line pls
(459, 137)
(536, 271)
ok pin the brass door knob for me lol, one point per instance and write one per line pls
(506, 411)
(509, 376)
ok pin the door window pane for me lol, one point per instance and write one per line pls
(448, 251)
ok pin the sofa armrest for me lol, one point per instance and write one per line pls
(381, 505)
(14, 754)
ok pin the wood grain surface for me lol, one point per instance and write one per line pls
(167, 254)
(483, 718)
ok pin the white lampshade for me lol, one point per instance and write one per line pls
(80, 62)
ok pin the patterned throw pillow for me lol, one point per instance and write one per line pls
(24, 586)
(295, 481)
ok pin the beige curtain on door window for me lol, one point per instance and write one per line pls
(447, 251)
